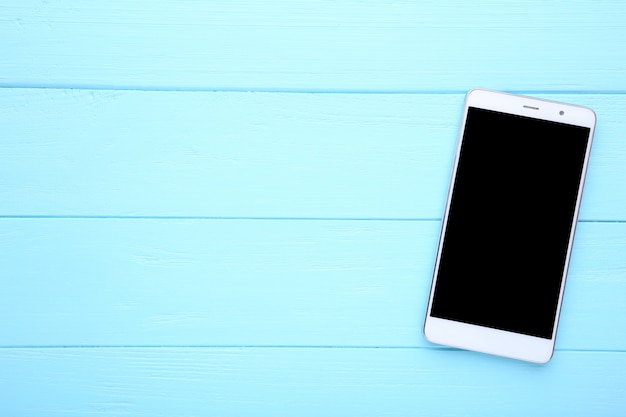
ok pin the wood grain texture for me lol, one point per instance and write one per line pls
(258, 283)
(131, 153)
(306, 382)
(172, 244)
(315, 45)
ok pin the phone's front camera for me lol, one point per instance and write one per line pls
(561, 112)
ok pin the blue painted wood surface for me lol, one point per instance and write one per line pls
(231, 207)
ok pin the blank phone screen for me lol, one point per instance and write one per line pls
(509, 223)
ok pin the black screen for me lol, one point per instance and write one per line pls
(509, 222)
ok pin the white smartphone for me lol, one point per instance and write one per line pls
(508, 226)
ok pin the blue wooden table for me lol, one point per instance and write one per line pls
(231, 208)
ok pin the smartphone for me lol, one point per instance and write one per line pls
(508, 226)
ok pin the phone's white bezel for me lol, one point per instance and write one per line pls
(485, 339)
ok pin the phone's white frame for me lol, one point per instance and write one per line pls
(485, 339)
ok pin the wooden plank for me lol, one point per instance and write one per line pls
(91, 282)
(315, 45)
(306, 382)
(131, 153)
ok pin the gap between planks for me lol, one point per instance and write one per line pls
(268, 347)
(204, 89)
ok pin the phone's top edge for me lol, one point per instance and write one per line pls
(550, 109)
(524, 97)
